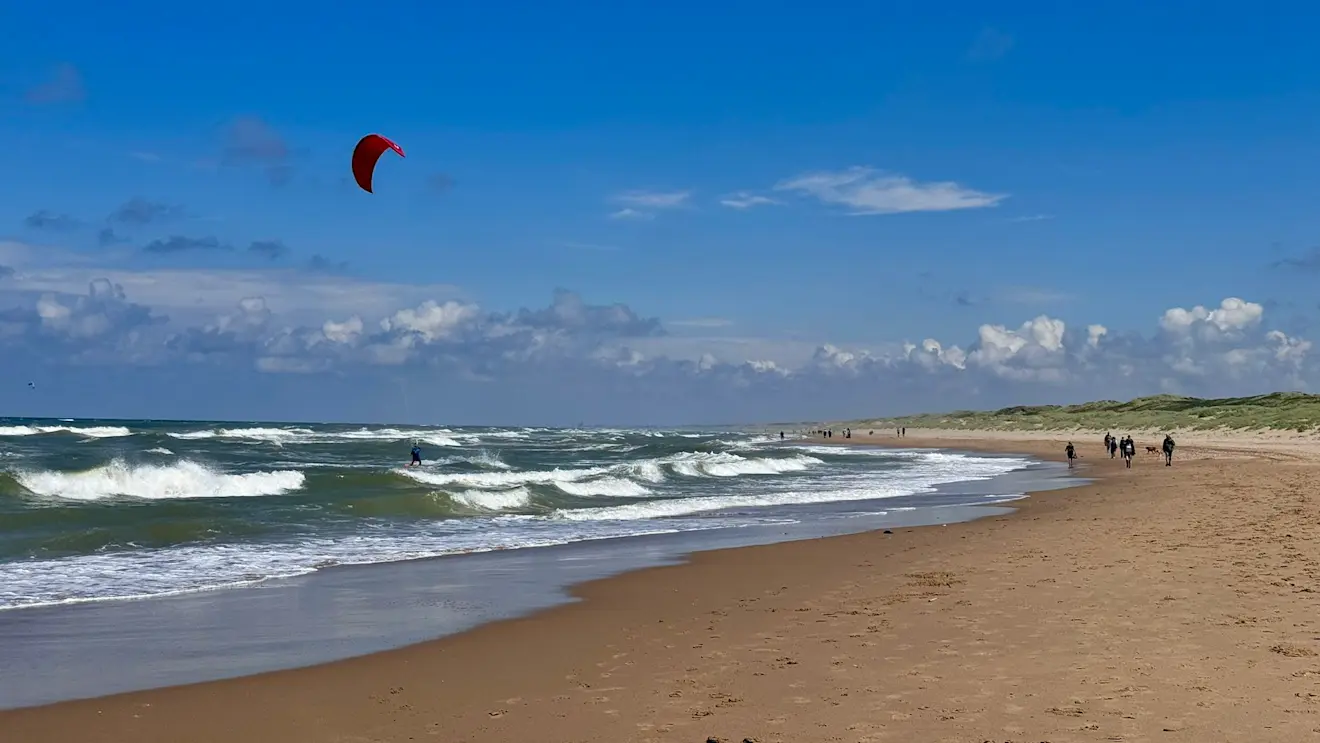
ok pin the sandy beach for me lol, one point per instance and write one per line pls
(1160, 603)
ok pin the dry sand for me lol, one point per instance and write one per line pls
(1162, 603)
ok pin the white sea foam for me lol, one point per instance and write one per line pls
(159, 450)
(647, 470)
(930, 469)
(298, 435)
(679, 492)
(723, 464)
(91, 432)
(614, 487)
(482, 458)
(500, 480)
(141, 574)
(850, 451)
(494, 500)
(688, 464)
(184, 479)
(669, 507)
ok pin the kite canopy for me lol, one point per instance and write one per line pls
(368, 151)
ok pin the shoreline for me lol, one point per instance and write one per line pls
(349, 611)
(1002, 627)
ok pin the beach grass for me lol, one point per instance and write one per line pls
(1278, 411)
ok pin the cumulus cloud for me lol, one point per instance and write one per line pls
(100, 324)
(868, 191)
(239, 330)
(573, 354)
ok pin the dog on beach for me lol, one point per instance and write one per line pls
(1152, 450)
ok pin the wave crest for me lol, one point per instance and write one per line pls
(91, 432)
(185, 479)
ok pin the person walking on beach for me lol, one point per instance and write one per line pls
(1071, 452)
(1129, 449)
(1113, 446)
(1168, 450)
(1108, 438)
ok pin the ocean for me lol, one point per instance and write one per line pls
(103, 511)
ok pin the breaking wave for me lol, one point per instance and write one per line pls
(183, 479)
(109, 512)
(91, 432)
(297, 435)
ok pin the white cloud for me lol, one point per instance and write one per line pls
(1232, 317)
(743, 200)
(654, 199)
(640, 205)
(868, 191)
(570, 355)
(298, 295)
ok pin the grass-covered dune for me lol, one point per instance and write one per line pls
(1279, 411)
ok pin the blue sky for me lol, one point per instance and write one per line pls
(763, 181)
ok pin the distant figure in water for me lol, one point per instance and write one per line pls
(416, 456)
(1071, 452)
(781, 434)
(1168, 450)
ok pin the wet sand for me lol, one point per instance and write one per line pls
(1170, 603)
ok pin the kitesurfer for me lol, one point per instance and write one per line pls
(416, 456)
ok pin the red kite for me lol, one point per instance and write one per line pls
(368, 151)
